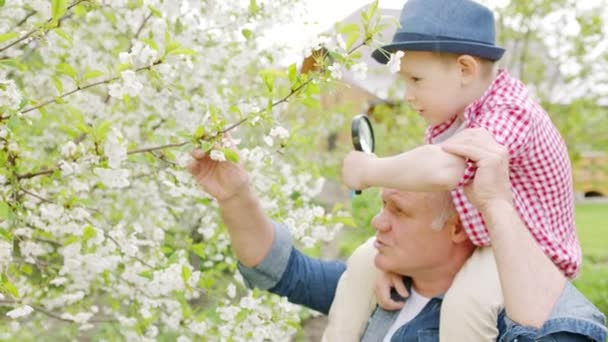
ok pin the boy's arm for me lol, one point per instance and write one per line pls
(425, 168)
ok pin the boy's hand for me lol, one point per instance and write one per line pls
(354, 168)
(222, 180)
(384, 283)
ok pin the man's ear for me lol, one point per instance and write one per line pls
(469, 68)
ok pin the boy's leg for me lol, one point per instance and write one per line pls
(470, 308)
(355, 299)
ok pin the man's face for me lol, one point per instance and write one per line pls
(405, 241)
(433, 85)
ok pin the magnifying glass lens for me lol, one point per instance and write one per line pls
(365, 137)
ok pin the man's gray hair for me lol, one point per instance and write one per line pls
(441, 204)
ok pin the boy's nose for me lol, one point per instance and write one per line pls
(409, 96)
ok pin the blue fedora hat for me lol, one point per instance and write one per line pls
(457, 26)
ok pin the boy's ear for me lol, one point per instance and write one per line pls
(469, 68)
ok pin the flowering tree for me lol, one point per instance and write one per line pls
(103, 233)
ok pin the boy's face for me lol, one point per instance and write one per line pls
(433, 85)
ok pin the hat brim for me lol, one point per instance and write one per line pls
(490, 52)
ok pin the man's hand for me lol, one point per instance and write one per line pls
(222, 180)
(354, 168)
(491, 182)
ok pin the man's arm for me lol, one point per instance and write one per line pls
(425, 168)
(250, 230)
(531, 283)
(266, 255)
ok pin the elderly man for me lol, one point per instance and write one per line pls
(540, 304)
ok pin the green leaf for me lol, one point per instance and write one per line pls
(13, 63)
(26, 269)
(61, 33)
(5, 211)
(253, 7)
(170, 46)
(58, 8)
(101, 131)
(89, 232)
(199, 249)
(199, 133)
(1, 3)
(246, 33)
(182, 51)
(146, 274)
(58, 84)
(186, 273)
(292, 73)
(268, 79)
(79, 10)
(151, 43)
(8, 36)
(10, 288)
(231, 155)
(92, 74)
(66, 69)
(155, 11)
(70, 240)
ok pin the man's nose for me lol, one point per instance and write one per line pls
(380, 222)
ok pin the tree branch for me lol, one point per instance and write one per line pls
(28, 34)
(77, 89)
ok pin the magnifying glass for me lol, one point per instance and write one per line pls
(363, 136)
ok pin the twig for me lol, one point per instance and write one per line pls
(156, 148)
(77, 89)
(27, 35)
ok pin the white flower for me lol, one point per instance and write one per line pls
(3, 132)
(125, 58)
(115, 149)
(231, 290)
(360, 71)
(68, 149)
(394, 63)
(269, 141)
(118, 178)
(280, 132)
(58, 281)
(217, 155)
(13, 147)
(131, 86)
(336, 71)
(9, 94)
(21, 311)
(340, 42)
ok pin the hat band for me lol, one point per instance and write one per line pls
(412, 37)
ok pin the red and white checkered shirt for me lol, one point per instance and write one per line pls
(539, 169)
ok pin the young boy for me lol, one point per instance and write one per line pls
(448, 65)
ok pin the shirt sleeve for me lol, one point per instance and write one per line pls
(287, 272)
(510, 125)
(573, 318)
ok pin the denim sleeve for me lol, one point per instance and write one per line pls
(268, 272)
(573, 318)
(287, 272)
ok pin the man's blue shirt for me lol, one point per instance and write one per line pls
(311, 282)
